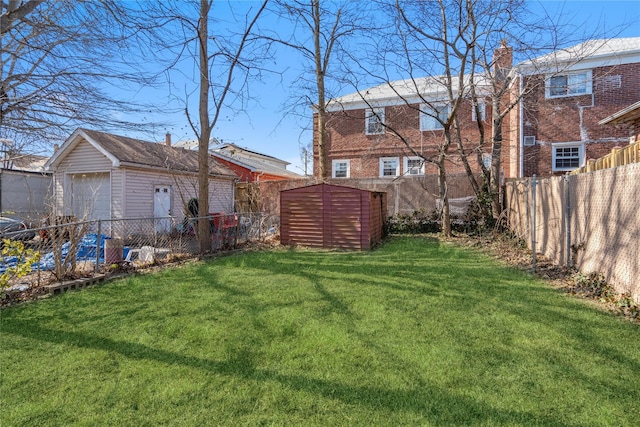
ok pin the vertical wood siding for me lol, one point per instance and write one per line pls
(332, 217)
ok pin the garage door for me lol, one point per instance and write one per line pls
(91, 195)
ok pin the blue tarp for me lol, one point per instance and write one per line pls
(86, 252)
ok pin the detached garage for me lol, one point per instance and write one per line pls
(331, 216)
(99, 175)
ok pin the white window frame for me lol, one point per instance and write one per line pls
(374, 121)
(577, 83)
(428, 121)
(334, 168)
(413, 171)
(563, 145)
(482, 106)
(382, 166)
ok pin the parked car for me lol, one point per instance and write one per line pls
(15, 229)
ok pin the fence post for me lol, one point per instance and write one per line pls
(98, 238)
(533, 223)
(567, 219)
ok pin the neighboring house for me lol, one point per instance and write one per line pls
(98, 175)
(363, 128)
(554, 128)
(24, 187)
(627, 116)
(573, 89)
(252, 166)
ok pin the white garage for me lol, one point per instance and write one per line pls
(99, 175)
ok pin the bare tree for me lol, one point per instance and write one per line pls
(321, 30)
(222, 57)
(427, 40)
(63, 62)
(459, 49)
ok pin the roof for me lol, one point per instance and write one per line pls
(255, 165)
(589, 54)
(628, 114)
(252, 160)
(25, 162)
(401, 91)
(125, 151)
(229, 147)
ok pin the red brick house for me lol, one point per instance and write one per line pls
(572, 91)
(385, 131)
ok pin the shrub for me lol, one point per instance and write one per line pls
(18, 259)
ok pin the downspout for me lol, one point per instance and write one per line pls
(521, 130)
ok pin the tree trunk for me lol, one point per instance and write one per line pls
(204, 238)
(442, 184)
(322, 113)
(496, 149)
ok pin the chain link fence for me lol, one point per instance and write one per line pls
(589, 221)
(70, 249)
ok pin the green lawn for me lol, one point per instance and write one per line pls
(418, 332)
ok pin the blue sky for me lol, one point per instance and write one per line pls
(268, 128)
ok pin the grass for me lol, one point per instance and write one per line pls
(418, 332)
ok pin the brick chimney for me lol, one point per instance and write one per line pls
(503, 59)
(167, 139)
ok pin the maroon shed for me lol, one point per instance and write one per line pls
(331, 216)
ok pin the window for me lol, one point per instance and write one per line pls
(374, 121)
(432, 117)
(568, 85)
(482, 106)
(567, 156)
(340, 169)
(389, 166)
(413, 166)
(486, 160)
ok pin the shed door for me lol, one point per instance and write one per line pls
(345, 224)
(91, 196)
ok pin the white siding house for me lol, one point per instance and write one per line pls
(98, 175)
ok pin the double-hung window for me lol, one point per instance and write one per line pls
(413, 166)
(389, 167)
(433, 116)
(569, 84)
(340, 169)
(567, 156)
(374, 121)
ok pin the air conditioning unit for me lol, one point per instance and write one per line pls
(529, 141)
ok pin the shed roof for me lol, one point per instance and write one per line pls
(125, 151)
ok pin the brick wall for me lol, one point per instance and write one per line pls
(575, 118)
(347, 140)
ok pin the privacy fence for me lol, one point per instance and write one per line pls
(590, 221)
(404, 194)
(70, 249)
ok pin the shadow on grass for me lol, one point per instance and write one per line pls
(435, 404)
